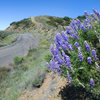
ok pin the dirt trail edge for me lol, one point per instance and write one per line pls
(19, 48)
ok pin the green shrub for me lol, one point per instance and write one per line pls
(55, 21)
(37, 82)
(4, 73)
(18, 60)
(48, 57)
(75, 54)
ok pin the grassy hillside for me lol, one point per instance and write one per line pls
(40, 21)
(7, 38)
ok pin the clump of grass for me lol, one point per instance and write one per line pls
(18, 60)
(37, 82)
(4, 73)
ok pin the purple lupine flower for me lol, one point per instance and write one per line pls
(47, 64)
(85, 23)
(99, 38)
(70, 47)
(97, 66)
(86, 14)
(94, 54)
(80, 55)
(83, 28)
(67, 61)
(73, 25)
(91, 82)
(94, 16)
(97, 13)
(78, 23)
(88, 20)
(90, 27)
(94, 11)
(59, 60)
(75, 36)
(69, 78)
(59, 70)
(54, 51)
(58, 37)
(68, 31)
(66, 38)
(52, 63)
(89, 60)
(63, 45)
(87, 46)
(76, 44)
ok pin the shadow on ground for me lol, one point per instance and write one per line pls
(75, 93)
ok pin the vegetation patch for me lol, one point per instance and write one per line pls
(37, 82)
(55, 21)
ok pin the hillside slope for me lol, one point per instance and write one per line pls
(39, 21)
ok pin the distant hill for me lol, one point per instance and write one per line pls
(39, 21)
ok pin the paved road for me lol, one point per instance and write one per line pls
(19, 48)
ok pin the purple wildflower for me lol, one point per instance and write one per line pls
(52, 63)
(91, 82)
(59, 59)
(58, 37)
(74, 25)
(71, 47)
(76, 44)
(94, 54)
(94, 16)
(68, 31)
(86, 14)
(97, 13)
(63, 45)
(78, 23)
(75, 36)
(59, 70)
(68, 62)
(83, 28)
(99, 38)
(69, 78)
(47, 64)
(54, 51)
(87, 46)
(66, 38)
(89, 60)
(90, 27)
(67, 59)
(80, 55)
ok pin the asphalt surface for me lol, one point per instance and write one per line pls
(19, 48)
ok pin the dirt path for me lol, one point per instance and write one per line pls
(48, 91)
(19, 48)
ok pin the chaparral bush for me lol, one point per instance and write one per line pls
(75, 53)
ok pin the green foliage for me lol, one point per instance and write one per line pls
(26, 23)
(48, 57)
(37, 82)
(55, 21)
(18, 60)
(81, 18)
(4, 34)
(4, 73)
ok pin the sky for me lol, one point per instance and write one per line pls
(16, 10)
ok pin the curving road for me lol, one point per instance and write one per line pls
(19, 48)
